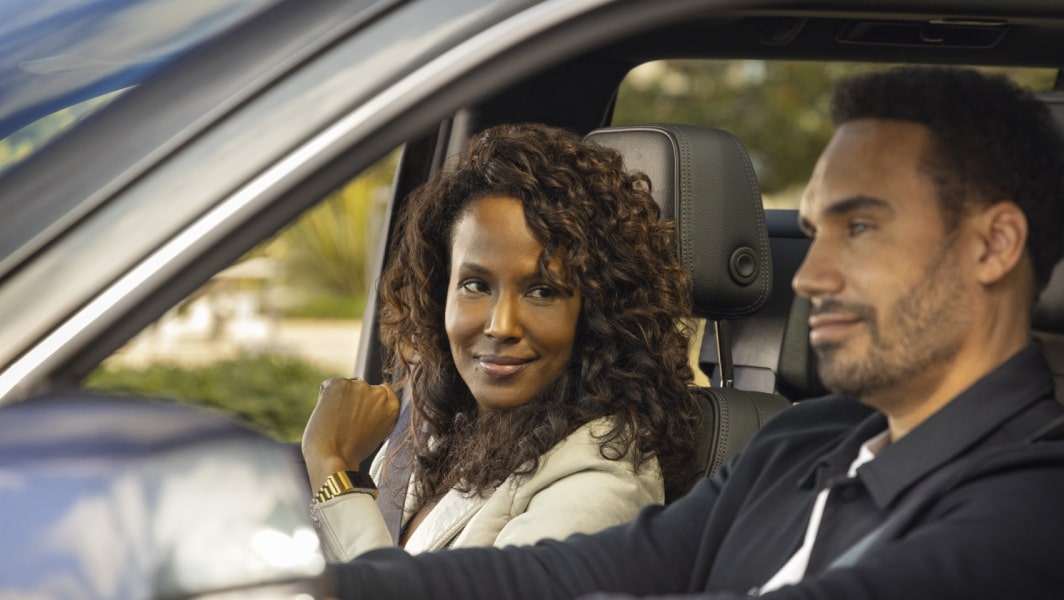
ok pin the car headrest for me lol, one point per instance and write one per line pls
(796, 376)
(1049, 311)
(703, 179)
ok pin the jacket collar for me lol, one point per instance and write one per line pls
(986, 408)
(445, 521)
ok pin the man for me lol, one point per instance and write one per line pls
(934, 215)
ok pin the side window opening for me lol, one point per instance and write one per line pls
(258, 338)
(779, 109)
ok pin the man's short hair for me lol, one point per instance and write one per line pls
(991, 141)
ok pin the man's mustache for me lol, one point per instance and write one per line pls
(835, 306)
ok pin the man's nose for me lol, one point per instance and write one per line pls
(819, 273)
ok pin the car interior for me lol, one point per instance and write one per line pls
(754, 351)
(759, 361)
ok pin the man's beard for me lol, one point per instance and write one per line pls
(925, 329)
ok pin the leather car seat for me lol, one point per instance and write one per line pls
(1048, 318)
(704, 180)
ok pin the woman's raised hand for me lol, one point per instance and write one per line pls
(351, 419)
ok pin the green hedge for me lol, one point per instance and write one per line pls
(271, 393)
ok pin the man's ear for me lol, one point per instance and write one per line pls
(1002, 229)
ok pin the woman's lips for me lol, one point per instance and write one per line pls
(502, 366)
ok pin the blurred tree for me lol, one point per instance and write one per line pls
(779, 109)
(327, 252)
(271, 393)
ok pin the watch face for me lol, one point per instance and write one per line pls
(362, 480)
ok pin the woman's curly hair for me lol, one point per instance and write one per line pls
(630, 355)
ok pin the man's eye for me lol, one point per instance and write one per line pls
(859, 227)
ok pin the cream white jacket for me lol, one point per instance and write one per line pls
(574, 490)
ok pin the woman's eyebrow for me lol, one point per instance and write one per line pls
(476, 268)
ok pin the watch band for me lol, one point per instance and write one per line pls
(345, 482)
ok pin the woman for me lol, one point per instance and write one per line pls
(533, 306)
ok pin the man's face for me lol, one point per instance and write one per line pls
(888, 299)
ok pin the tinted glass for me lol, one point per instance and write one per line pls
(62, 59)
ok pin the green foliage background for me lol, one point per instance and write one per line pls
(779, 109)
(326, 253)
(271, 393)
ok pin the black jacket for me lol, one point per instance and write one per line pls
(968, 505)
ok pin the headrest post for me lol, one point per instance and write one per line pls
(724, 357)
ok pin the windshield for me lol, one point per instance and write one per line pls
(60, 60)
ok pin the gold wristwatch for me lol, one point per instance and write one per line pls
(345, 482)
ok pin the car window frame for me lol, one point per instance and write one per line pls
(474, 66)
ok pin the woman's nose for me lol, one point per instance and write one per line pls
(504, 322)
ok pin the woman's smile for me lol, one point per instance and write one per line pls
(510, 325)
(502, 367)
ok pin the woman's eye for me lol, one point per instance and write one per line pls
(542, 292)
(473, 286)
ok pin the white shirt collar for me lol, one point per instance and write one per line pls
(869, 450)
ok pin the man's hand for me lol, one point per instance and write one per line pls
(350, 420)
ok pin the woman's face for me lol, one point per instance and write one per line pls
(511, 331)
